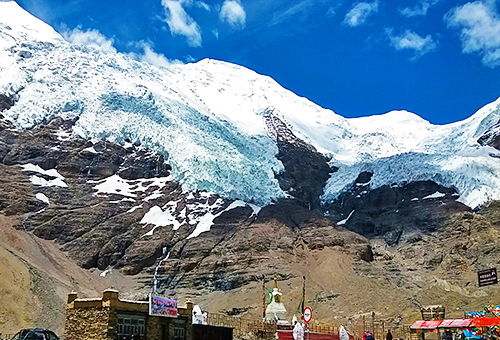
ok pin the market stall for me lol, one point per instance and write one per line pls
(475, 328)
(484, 327)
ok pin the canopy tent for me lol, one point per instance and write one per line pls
(424, 324)
(485, 322)
(455, 323)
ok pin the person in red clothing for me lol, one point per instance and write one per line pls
(364, 336)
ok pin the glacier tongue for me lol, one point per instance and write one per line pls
(207, 119)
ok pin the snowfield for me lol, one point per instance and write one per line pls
(207, 119)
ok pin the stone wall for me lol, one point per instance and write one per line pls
(97, 319)
(89, 323)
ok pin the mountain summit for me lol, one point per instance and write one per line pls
(208, 119)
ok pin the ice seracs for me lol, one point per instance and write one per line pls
(206, 118)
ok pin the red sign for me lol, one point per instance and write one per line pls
(308, 314)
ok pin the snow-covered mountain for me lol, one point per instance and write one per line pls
(149, 173)
(209, 120)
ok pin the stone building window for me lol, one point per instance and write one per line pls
(131, 327)
(179, 333)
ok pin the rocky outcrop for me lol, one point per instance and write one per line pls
(6, 102)
(394, 212)
(99, 229)
(306, 170)
(241, 247)
(491, 137)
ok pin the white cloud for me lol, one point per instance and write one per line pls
(157, 59)
(332, 10)
(302, 7)
(479, 26)
(233, 13)
(180, 22)
(92, 38)
(360, 12)
(203, 5)
(410, 40)
(149, 55)
(418, 10)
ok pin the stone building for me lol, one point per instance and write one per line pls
(110, 318)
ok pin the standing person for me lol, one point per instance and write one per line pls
(298, 331)
(370, 336)
(343, 335)
(389, 335)
(364, 335)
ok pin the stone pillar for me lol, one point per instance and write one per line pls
(72, 297)
(189, 325)
(110, 298)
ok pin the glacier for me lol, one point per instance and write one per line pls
(206, 118)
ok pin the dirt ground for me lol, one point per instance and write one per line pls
(35, 278)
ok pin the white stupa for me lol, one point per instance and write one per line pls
(275, 310)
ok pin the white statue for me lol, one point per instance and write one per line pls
(197, 315)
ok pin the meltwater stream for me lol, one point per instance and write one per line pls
(165, 257)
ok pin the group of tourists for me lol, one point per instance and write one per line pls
(369, 335)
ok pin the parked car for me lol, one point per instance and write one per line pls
(35, 334)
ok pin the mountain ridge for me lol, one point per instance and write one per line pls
(214, 110)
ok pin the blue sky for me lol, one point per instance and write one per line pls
(437, 58)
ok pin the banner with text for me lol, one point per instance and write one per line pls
(162, 306)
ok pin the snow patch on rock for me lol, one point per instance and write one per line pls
(437, 194)
(41, 197)
(344, 221)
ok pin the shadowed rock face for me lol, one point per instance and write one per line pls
(394, 212)
(6, 102)
(98, 230)
(306, 170)
(491, 137)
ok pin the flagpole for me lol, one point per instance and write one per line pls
(263, 297)
(303, 294)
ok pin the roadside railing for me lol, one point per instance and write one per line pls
(241, 326)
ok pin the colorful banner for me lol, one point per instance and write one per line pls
(494, 310)
(162, 306)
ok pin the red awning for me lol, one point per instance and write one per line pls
(455, 323)
(485, 322)
(422, 324)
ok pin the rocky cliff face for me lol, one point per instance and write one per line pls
(491, 137)
(117, 208)
(306, 169)
(97, 202)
